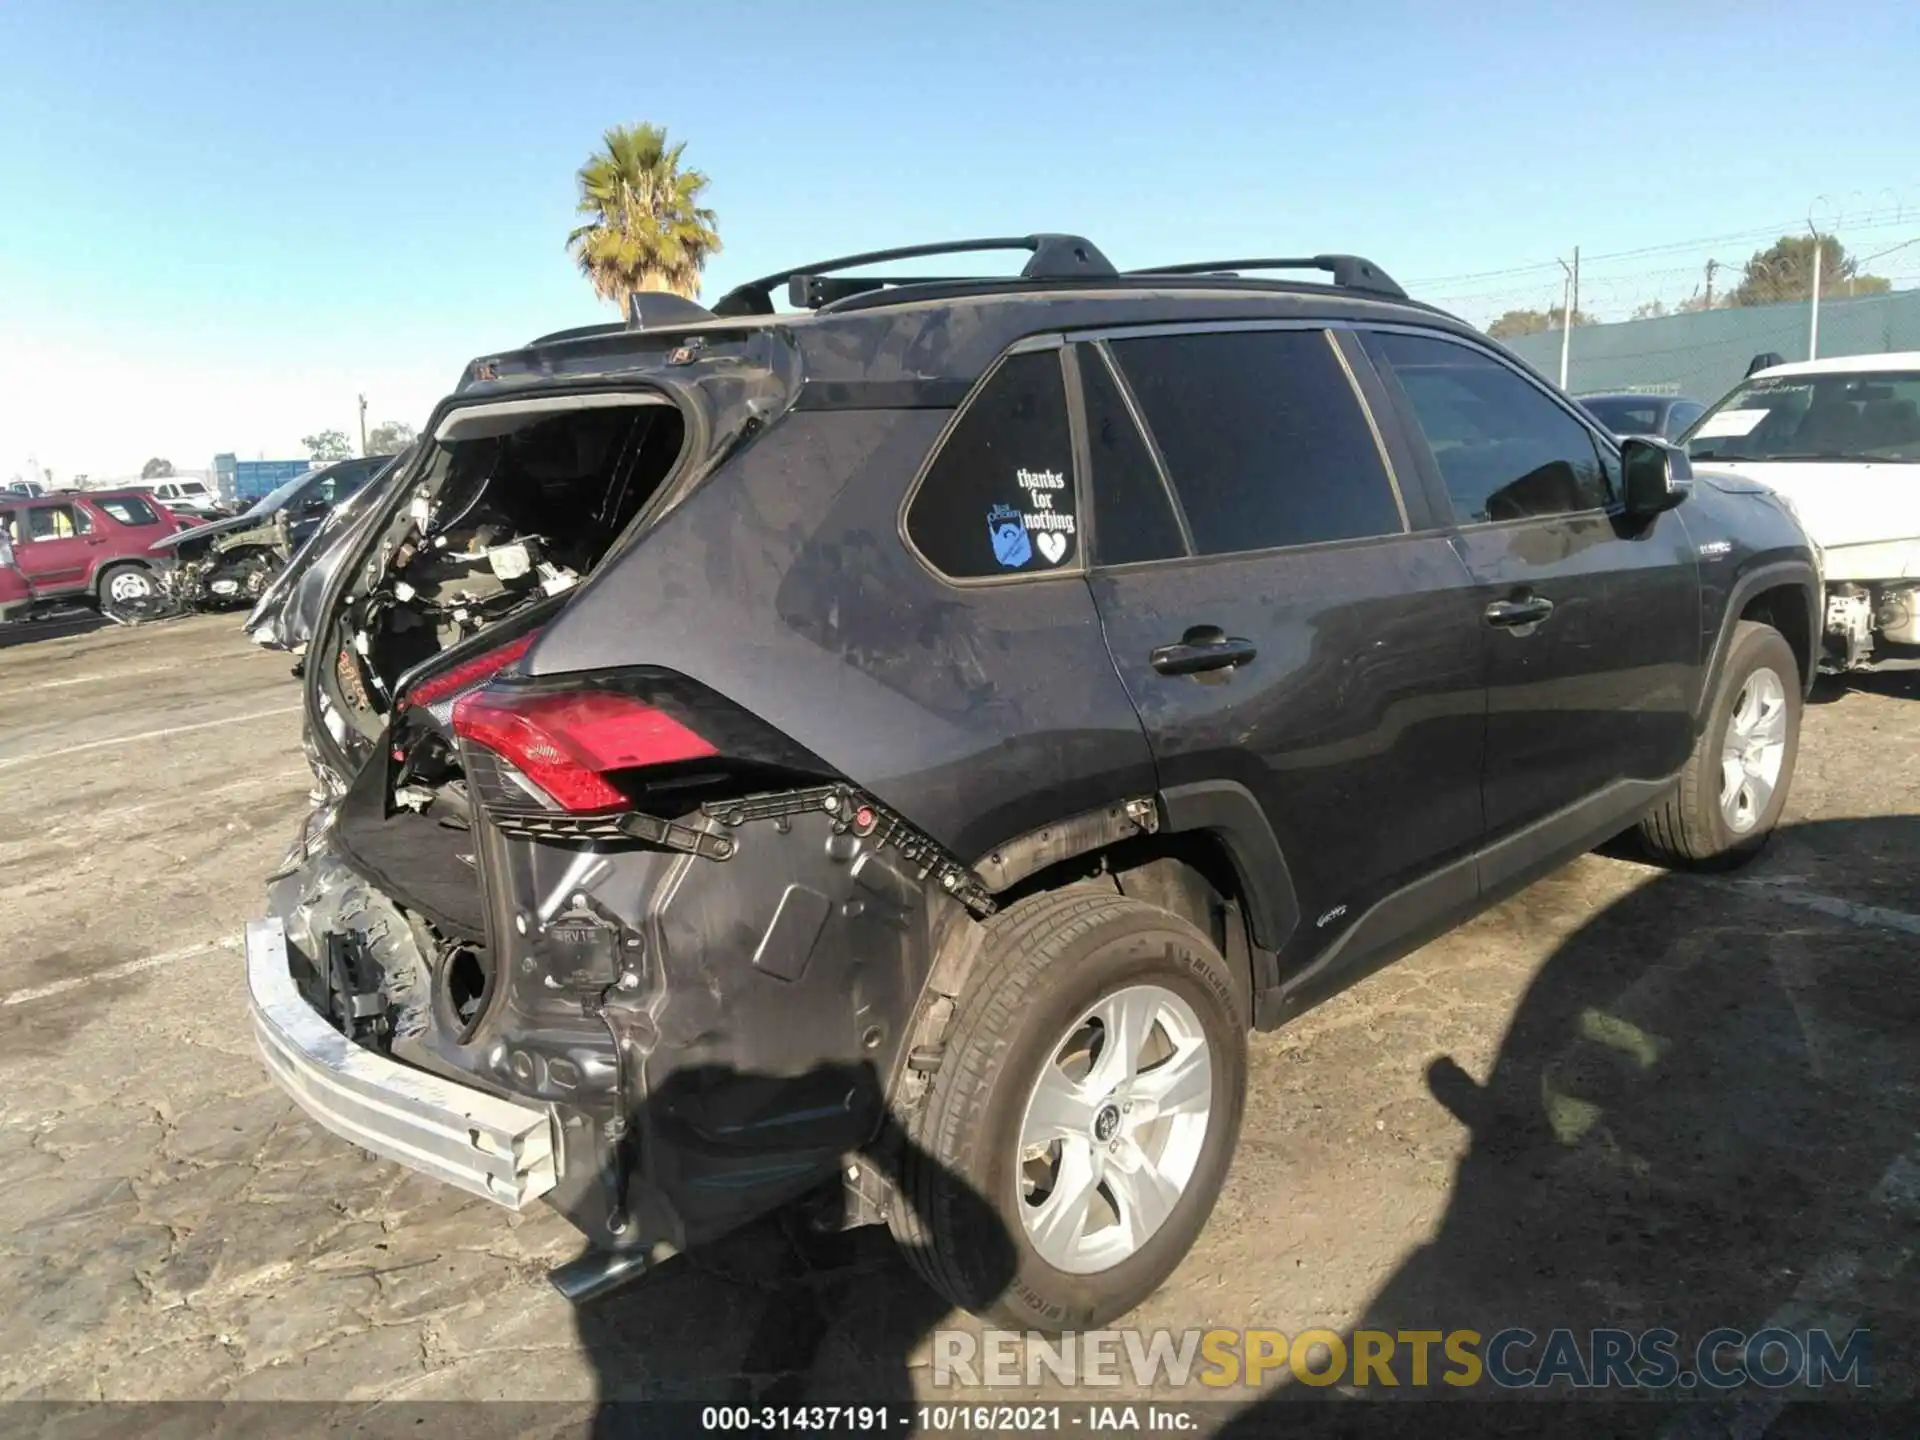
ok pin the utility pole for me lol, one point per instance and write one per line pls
(1813, 308)
(1569, 307)
(363, 424)
(1712, 265)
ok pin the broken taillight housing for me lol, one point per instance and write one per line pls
(433, 693)
(566, 742)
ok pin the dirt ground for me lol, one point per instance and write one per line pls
(1624, 1098)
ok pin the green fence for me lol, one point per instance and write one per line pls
(1702, 356)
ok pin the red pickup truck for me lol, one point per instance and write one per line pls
(84, 546)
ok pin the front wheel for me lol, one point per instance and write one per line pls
(1079, 1128)
(1734, 787)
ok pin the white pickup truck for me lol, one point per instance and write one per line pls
(1839, 441)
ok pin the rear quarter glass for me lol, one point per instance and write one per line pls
(999, 498)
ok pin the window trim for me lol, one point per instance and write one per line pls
(1373, 427)
(1422, 517)
(1100, 337)
(1131, 403)
(1076, 434)
(1431, 477)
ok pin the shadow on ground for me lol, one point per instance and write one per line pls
(56, 625)
(1692, 1123)
(792, 1309)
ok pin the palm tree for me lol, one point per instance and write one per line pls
(648, 230)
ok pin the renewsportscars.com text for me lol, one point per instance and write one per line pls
(1510, 1359)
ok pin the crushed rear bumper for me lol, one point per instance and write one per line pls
(490, 1146)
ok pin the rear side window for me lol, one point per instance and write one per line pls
(129, 511)
(999, 497)
(1263, 436)
(1132, 509)
(1505, 450)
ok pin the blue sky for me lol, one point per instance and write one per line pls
(235, 216)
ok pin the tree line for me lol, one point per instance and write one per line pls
(1782, 272)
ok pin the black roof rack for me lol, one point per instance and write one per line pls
(1350, 272)
(651, 309)
(1055, 257)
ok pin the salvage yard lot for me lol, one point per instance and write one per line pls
(1623, 1098)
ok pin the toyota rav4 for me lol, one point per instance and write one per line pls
(903, 744)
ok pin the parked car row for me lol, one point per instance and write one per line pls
(130, 553)
(889, 756)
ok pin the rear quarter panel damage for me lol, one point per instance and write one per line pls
(978, 713)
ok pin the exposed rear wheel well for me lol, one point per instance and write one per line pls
(1188, 873)
(1785, 608)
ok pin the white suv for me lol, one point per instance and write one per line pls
(1838, 441)
(187, 497)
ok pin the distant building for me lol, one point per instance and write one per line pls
(1703, 355)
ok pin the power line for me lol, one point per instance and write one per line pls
(1868, 220)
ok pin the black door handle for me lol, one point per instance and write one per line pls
(1204, 647)
(1520, 612)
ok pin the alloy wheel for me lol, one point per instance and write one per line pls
(1113, 1128)
(1753, 751)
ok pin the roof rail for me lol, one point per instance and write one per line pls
(1055, 257)
(578, 332)
(1350, 272)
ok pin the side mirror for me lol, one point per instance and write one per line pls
(1657, 476)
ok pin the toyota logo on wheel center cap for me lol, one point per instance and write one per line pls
(1106, 1124)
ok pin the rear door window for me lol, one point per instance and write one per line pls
(999, 498)
(1263, 436)
(1505, 450)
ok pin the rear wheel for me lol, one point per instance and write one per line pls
(1079, 1127)
(129, 594)
(1734, 787)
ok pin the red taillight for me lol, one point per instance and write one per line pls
(468, 673)
(567, 742)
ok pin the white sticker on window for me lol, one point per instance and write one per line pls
(1051, 529)
(1730, 422)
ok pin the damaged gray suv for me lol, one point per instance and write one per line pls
(883, 757)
